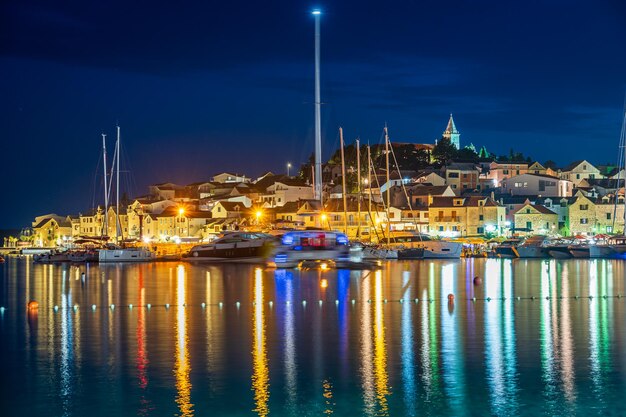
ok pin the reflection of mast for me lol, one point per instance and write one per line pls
(380, 350)
(183, 384)
(388, 184)
(260, 376)
(366, 349)
(343, 185)
(142, 357)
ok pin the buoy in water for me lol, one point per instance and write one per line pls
(33, 305)
(477, 281)
(451, 297)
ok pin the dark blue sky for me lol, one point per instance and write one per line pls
(203, 87)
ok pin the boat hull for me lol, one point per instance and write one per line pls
(249, 252)
(379, 253)
(580, 251)
(125, 255)
(536, 252)
(559, 252)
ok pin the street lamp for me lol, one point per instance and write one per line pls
(288, 167)
(181, 211)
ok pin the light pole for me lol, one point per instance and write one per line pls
(181, 211)
(318, 122)
(288, 167)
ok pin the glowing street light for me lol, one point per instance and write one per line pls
(316, 12)
(288, 167)
(181, 211)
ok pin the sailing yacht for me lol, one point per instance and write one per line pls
(121, 253)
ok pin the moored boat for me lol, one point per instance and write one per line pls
(533, 247)
(234, 247)
(132, 254)
(316, 246)
(559, 251)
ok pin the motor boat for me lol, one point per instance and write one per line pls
(559, 250)
(533, 247)
(507, 249)
(245, 247)
(84, 255)
(316, 246)
(419, 246)
(128, 254)
(379, 252)
(614, 248)
(581, 250)
(52, 257)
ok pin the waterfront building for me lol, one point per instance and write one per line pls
(51, 230)
(589, 216)
(466, 216)
(579, 170)
(537, 185)
(535, 219)
(91, 224)
(452, 134)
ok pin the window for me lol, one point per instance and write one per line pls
(527, 211)
(609, 229)
(584, 206)
(481, 217)
(441, 228)
(505, 171)
(529, 225)
(480, 230)
(608, 216)
(453, 175)
(577, 176)
(455, 228)
(584, 221)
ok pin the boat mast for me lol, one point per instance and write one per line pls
(358, 188)
(118, 225)
(106, 191)
(318, 122)
(343, 184)
(369, 185)
(388, 185)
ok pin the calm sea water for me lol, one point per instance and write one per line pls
(299, 343)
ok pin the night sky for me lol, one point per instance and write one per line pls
(214, 86)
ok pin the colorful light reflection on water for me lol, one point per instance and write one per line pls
(240, 340)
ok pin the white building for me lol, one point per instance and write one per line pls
(537, 185)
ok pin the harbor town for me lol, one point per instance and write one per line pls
(211, 209)
(443, 190)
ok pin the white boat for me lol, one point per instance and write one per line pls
(615, 248)
(419, 246)
(316, 246)
(244, 247)
(125, 255)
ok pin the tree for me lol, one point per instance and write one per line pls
(444, 151)
(466, 155)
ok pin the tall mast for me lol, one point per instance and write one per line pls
(318, 122)
(106, 191)
(388, 185)
(358, 188)
(343, 184)
(118, 225)
(369, 185)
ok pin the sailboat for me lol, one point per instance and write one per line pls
(615, 246)
(415, 245)
(121, 253)
(381, 251)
